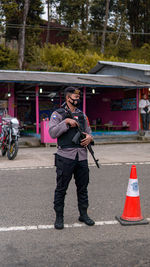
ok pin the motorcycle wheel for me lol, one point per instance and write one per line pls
(4, 150)
(12, 152)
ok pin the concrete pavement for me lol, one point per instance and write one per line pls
(107, 154)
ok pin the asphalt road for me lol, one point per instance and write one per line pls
(27, 236)
(107, 154)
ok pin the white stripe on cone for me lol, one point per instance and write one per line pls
(133, 188)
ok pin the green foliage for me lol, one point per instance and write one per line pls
(12, 11)
(123, 49)
(97, 11)
(33, 33)
(8, 58)
(145, 52)
(139, 21)
(84, 15)
(59, 58)
(72, 12)
(141, 56)
(55, 58)
(68, 10)
(78, 41)
(62, 59)
(89, 60)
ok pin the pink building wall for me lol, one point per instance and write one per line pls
(11, 100)
(45, 137)
(11, 103)
(99, 106)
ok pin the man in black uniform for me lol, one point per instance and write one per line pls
(71, 158)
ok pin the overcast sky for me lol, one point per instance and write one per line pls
(53, 11)
(44, 16)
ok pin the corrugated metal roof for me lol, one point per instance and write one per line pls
(135, 66)
(56, 78)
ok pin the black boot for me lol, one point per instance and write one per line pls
(59, 222)
(85, 218)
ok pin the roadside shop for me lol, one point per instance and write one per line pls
(110, 96)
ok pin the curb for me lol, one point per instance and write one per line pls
(30, 145)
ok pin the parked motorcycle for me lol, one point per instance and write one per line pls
(9, 137)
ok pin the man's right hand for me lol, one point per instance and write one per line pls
(71, 122)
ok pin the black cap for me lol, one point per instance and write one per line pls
(72, 90)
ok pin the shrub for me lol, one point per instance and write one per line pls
(8, 58)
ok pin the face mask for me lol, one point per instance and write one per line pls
(75, 100)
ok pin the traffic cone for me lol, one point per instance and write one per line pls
(132, 209)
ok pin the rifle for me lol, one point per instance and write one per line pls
(79, 136)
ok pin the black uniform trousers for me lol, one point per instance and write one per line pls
(65, 168)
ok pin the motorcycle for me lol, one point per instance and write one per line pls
(9, 137)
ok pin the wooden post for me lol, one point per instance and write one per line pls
(11, 104)
(137, 110)
(60, 99)
(37, 109)
(84, 99)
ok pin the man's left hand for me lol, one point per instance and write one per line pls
(88, 138)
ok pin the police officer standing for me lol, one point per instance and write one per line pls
(71, 159)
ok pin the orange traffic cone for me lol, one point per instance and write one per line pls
(132, 209)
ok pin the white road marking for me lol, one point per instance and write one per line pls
(26, 168)
(111, 164)
(106, 223)
(18, 228)
(51, 226)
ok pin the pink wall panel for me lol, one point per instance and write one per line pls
(45, 137)
(99, 106)
(11, 103)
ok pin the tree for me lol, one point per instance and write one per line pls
(97, 18)
(78, 41)
(119, 22)
(22, 35)
(48, 17)
(139, 21)
(105, 26)
(12, 12)
(68, 11)
(87, 13)
(18, 24)
(73, 13)
(8, 58)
